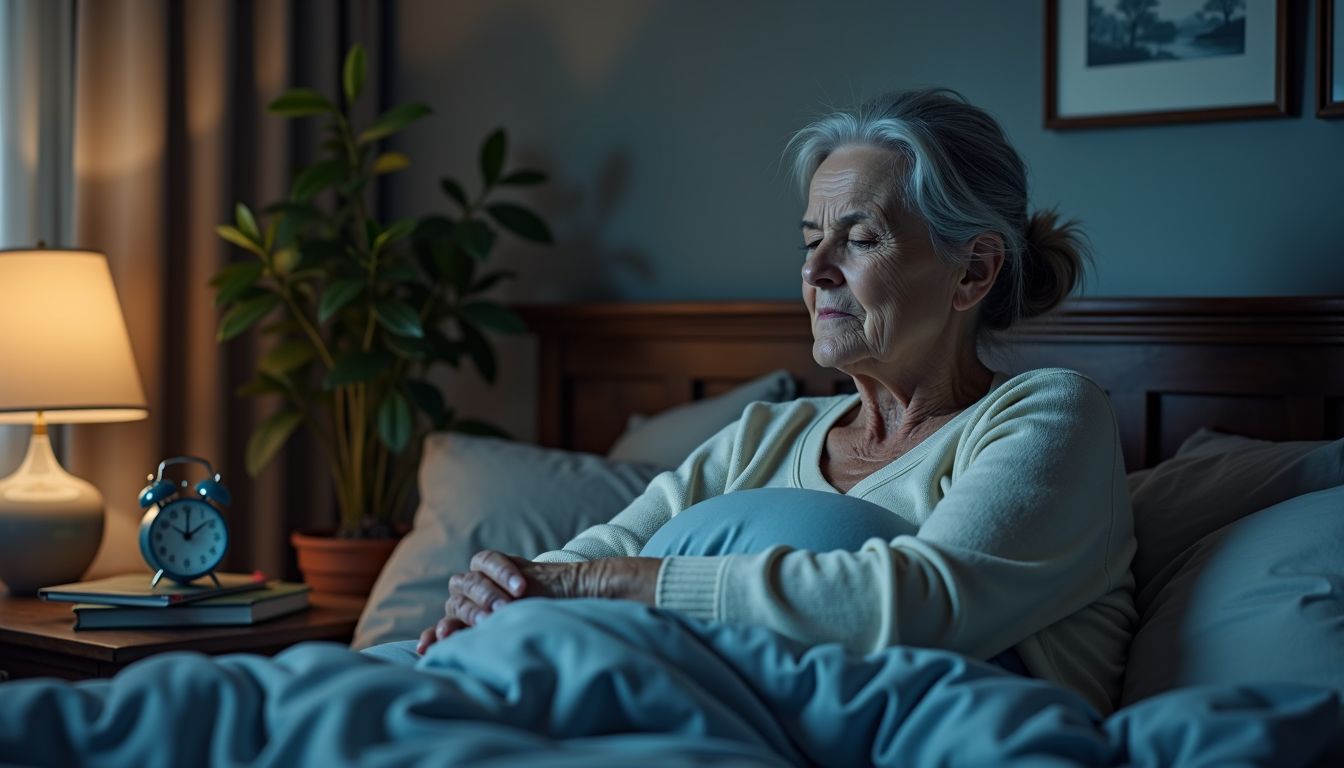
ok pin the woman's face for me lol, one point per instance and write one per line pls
(879, 296)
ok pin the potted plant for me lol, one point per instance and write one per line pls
(357, 312)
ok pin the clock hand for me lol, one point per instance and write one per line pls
(199, 527)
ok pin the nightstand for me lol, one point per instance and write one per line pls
(38, 638)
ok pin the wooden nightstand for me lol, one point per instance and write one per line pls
(38, 639)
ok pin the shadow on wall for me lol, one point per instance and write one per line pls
(583, 263)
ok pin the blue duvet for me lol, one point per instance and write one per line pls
(599, 682)
(603, 682)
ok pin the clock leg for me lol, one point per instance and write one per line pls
(215, 579)
(155, 581)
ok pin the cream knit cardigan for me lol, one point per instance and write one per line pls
(1024, 534)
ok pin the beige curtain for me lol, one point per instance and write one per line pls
(169, 131)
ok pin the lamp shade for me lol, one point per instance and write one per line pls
(64, 349)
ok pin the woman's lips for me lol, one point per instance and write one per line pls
(830, 314)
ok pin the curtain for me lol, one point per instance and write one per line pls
(170, 131)
(36, 38)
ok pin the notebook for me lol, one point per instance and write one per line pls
(134, 589)
(276, 599)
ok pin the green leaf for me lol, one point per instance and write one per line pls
(492, 156)
(443, 349)
(394, 421)
(245, 314)
(524, 178)
(298, 102)
(282, 325)
(479, 350)
(391, 162)
(399, 273)
(285, 260)
(236, 236)
(316, 178)
(405, 347)
(270, 436)
(490, 279)
(455, 265)
(395, 231)
(476, 238)
(429, 400)
(354, 367)
(286, 356)
(272, 228)
(399, 318)
(520, 221)
(336, 296)
(492, 315)
(318, 254)
(235, 280)
(261, 385)
(394, 120)
(352, 74)
(480, 428)
(454, 190)
(247, 224)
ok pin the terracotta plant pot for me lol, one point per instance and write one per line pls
(336, 566)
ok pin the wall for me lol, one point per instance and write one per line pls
(662, 123)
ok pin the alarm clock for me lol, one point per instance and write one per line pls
(183, 534)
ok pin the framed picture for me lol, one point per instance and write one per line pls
(1135, 62)
(1329, 59)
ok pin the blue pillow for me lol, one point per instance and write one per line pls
(746, 522)
(1261, 599)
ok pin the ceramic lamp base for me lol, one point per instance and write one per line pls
(51, 522)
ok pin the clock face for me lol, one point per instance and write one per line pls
(187, 537)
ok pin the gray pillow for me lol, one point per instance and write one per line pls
(1213, 480)
(670, 436)
(485, 493)
(1260, 600)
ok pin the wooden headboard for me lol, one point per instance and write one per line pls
(1263, 367)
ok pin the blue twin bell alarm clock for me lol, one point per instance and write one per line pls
(183, 535)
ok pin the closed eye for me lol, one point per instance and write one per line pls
(863, 244)
(811, 245)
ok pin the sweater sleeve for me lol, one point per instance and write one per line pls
(1021, 538)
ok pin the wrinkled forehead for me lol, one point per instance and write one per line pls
(857, 178)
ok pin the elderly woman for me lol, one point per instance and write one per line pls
(917, 243)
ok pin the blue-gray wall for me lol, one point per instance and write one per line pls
(662, 123)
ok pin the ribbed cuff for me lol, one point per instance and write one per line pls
(558, 556)
(690, 585)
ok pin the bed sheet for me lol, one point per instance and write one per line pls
(601, 682)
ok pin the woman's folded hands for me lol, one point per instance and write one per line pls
(497, 579)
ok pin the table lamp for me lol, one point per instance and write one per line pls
(65, 358)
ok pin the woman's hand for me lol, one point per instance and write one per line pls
(496, 579)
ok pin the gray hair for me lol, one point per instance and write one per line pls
(964, 180)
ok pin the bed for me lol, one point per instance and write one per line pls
(1230, 414)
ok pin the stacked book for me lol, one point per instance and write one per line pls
(128, 601)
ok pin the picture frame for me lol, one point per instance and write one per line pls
(1329, 59)
(1121, 63)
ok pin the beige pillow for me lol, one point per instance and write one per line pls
(1213, 480)
(485, 493)
(670, 436)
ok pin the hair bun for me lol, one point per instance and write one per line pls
(1052, 262)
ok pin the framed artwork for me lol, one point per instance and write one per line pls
(1329, 59)
(1137, 62)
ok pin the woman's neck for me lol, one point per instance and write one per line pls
(901, 409)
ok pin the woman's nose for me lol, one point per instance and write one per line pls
(820, 270)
